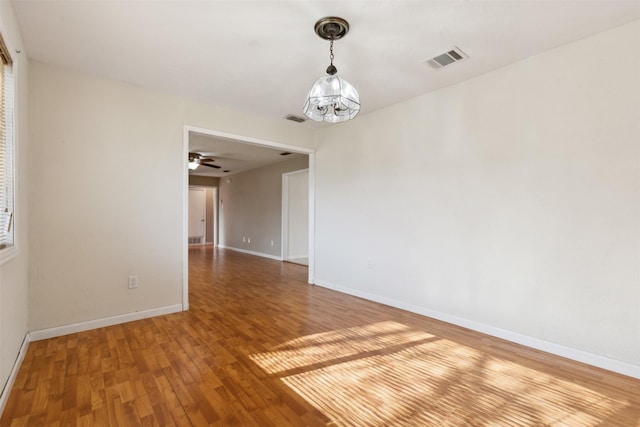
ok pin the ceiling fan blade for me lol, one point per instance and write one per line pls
(211, 166)
(207, 159)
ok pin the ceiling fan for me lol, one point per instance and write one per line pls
(197, 159)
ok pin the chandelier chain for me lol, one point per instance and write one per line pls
(331, 52)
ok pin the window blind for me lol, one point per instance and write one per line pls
(7, 162)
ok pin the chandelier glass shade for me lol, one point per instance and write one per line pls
(331, 98)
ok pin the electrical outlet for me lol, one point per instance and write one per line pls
(249, 240)
(244, 239)
(272, 243)
(133, 281)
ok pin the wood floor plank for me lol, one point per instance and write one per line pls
(260, 347)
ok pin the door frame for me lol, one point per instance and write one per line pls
(204, 206)
(242, 139)
(215, 216)
(214, 209)
(284, 245)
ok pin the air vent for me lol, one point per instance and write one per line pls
(453, 56)
(296, 119)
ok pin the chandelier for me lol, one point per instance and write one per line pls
(332, 98)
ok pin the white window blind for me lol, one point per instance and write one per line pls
(7, 150)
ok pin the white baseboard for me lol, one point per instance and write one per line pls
(607, 363)
(43, 334)
(6, 391)
(244, 251)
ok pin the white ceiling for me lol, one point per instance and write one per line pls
(263, 56)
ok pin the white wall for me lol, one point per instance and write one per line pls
(511, 201)
(251, 208)
(14, 272)
(107, 192)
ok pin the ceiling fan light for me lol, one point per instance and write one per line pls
(193, 164)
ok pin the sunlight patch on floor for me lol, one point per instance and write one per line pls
(391, 374)
(328, 346)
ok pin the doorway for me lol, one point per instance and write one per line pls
(295, 217)
(242, 139)
(197, 216)
(198, 219)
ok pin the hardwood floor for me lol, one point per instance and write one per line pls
(260, 347)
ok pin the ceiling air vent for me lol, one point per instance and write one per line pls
(451, 57)
(296, 119)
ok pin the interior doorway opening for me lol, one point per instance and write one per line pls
(197, 216)
(188, 131)
(203, 215)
